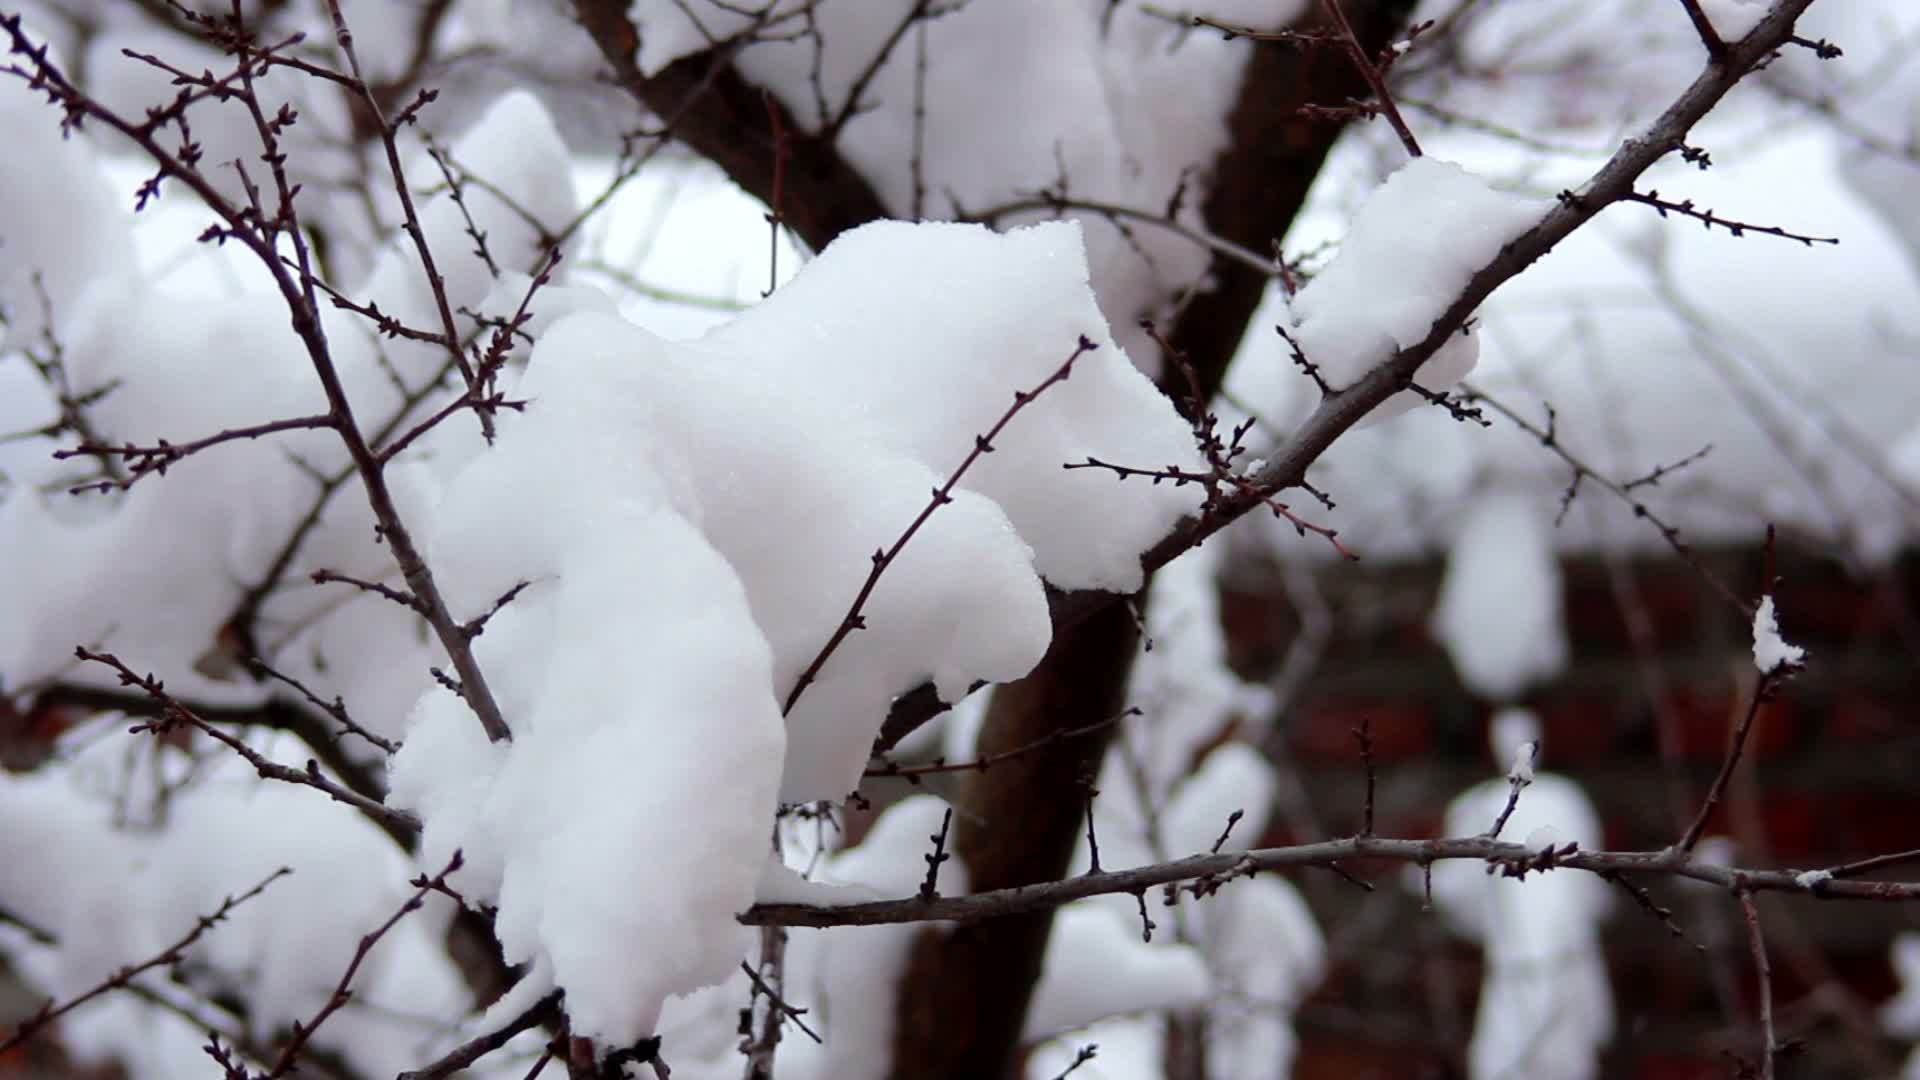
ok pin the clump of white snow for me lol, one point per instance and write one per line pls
(1097, 966)
(1734, 19)
(1546, 1008)
(1499, 611)
(1412, 248)
(848, 981)
(1809, 879)
(1900, 1016)
(694, 522)
(1771, 652)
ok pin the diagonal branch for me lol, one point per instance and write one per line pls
(172, 954)
(942, 495)
(1340, 411)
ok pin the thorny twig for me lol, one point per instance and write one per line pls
(1708, 219)
(342, 990)
(942, 495)
(171, 955)
(1508, 858)
(261, 234)
(397, 822)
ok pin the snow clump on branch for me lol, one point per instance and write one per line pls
(695, 520)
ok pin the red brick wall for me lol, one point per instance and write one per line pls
(1834, 775)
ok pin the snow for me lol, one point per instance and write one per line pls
(154, 574)
(1734, 19)
(1124, 1048)
(1900, 1016)
(124, 866)
(1523, 758)
(1121, 105)
(665, 622)
(1096, 966)
(886, 296)
(655, 498)
(1771, 653)
(1262, 950)
(1651, 339)
(847, 979)
(80, 236)
(1545, 1007)
(1499, 609)
(1411, 249)
(1811, 879)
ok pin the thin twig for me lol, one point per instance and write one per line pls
(171, 955)
(1371, 73)
(942, 495)
(982, 764)
(155, 460)
(1763, 975)
(1761, 692)
(540, 1012)
(342, 990)
(172, 712)
(1507, 857)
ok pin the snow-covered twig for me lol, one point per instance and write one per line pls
(1519, 778)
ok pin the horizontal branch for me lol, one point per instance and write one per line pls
(156, 459)
(1514, 859)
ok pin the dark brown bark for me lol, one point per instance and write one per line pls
(704, 102)
(964, 996)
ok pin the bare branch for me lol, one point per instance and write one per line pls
(289, 1057)
(172, 712)
(471, 1051)
(1509, 858)
(171, 955)
(942, 495)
